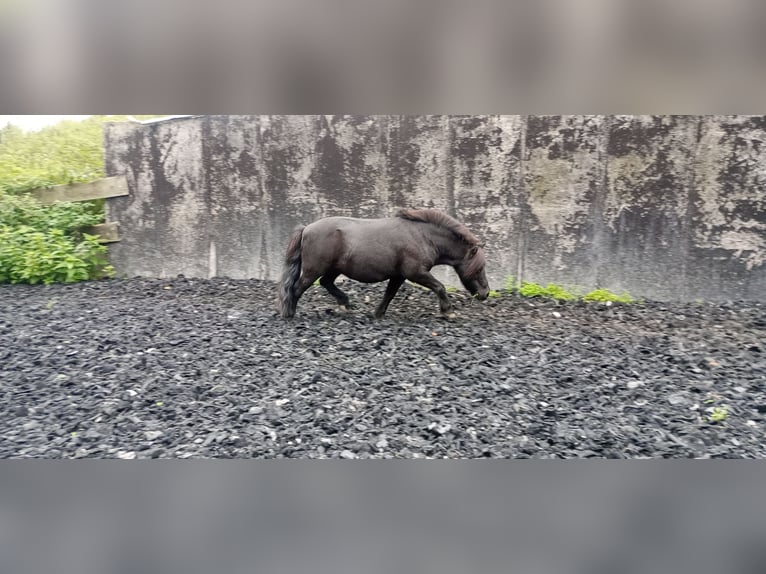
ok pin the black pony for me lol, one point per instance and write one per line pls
(396, 248)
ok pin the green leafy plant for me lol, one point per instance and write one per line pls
(604, 295)
(45, 243)
(552, 291)
(560, 293)
(719, 414)
(532, 290)
(25, 211)
(28, 255)
(494, 294)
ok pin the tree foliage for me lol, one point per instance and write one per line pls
(46, 243)
(68, 152)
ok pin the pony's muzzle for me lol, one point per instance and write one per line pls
(481, 295)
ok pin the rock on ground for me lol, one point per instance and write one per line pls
(188, 368)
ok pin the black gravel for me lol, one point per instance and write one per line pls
(204, 368)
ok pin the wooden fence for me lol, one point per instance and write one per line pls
(116, 186)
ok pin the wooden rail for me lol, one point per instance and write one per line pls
(108, 187)
(116, 186)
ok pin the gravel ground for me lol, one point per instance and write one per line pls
(204, 368)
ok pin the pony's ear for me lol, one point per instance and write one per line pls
(473, 250)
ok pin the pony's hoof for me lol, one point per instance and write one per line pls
(342, 309)
(451, 315)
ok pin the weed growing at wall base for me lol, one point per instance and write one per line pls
(552, 291)
(559, 293)
(604, 295)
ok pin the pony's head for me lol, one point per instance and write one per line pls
(472, 274)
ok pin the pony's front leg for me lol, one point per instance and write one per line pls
(427, 280)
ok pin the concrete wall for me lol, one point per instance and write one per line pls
(666, 207)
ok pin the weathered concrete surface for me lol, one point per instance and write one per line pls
(666, 207)
(560, 199)
(645, 231)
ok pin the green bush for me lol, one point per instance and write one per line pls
(28, 255)
(45, 243)
(25, 210)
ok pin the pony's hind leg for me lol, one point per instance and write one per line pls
(328, 282)
(304, 282)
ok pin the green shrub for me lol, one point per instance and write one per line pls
(510, 284)
(24, 210)
(45, 244)
(29, 255)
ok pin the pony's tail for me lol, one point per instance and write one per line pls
(288, 299)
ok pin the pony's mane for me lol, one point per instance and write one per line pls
(440, 219)
(475, 262)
